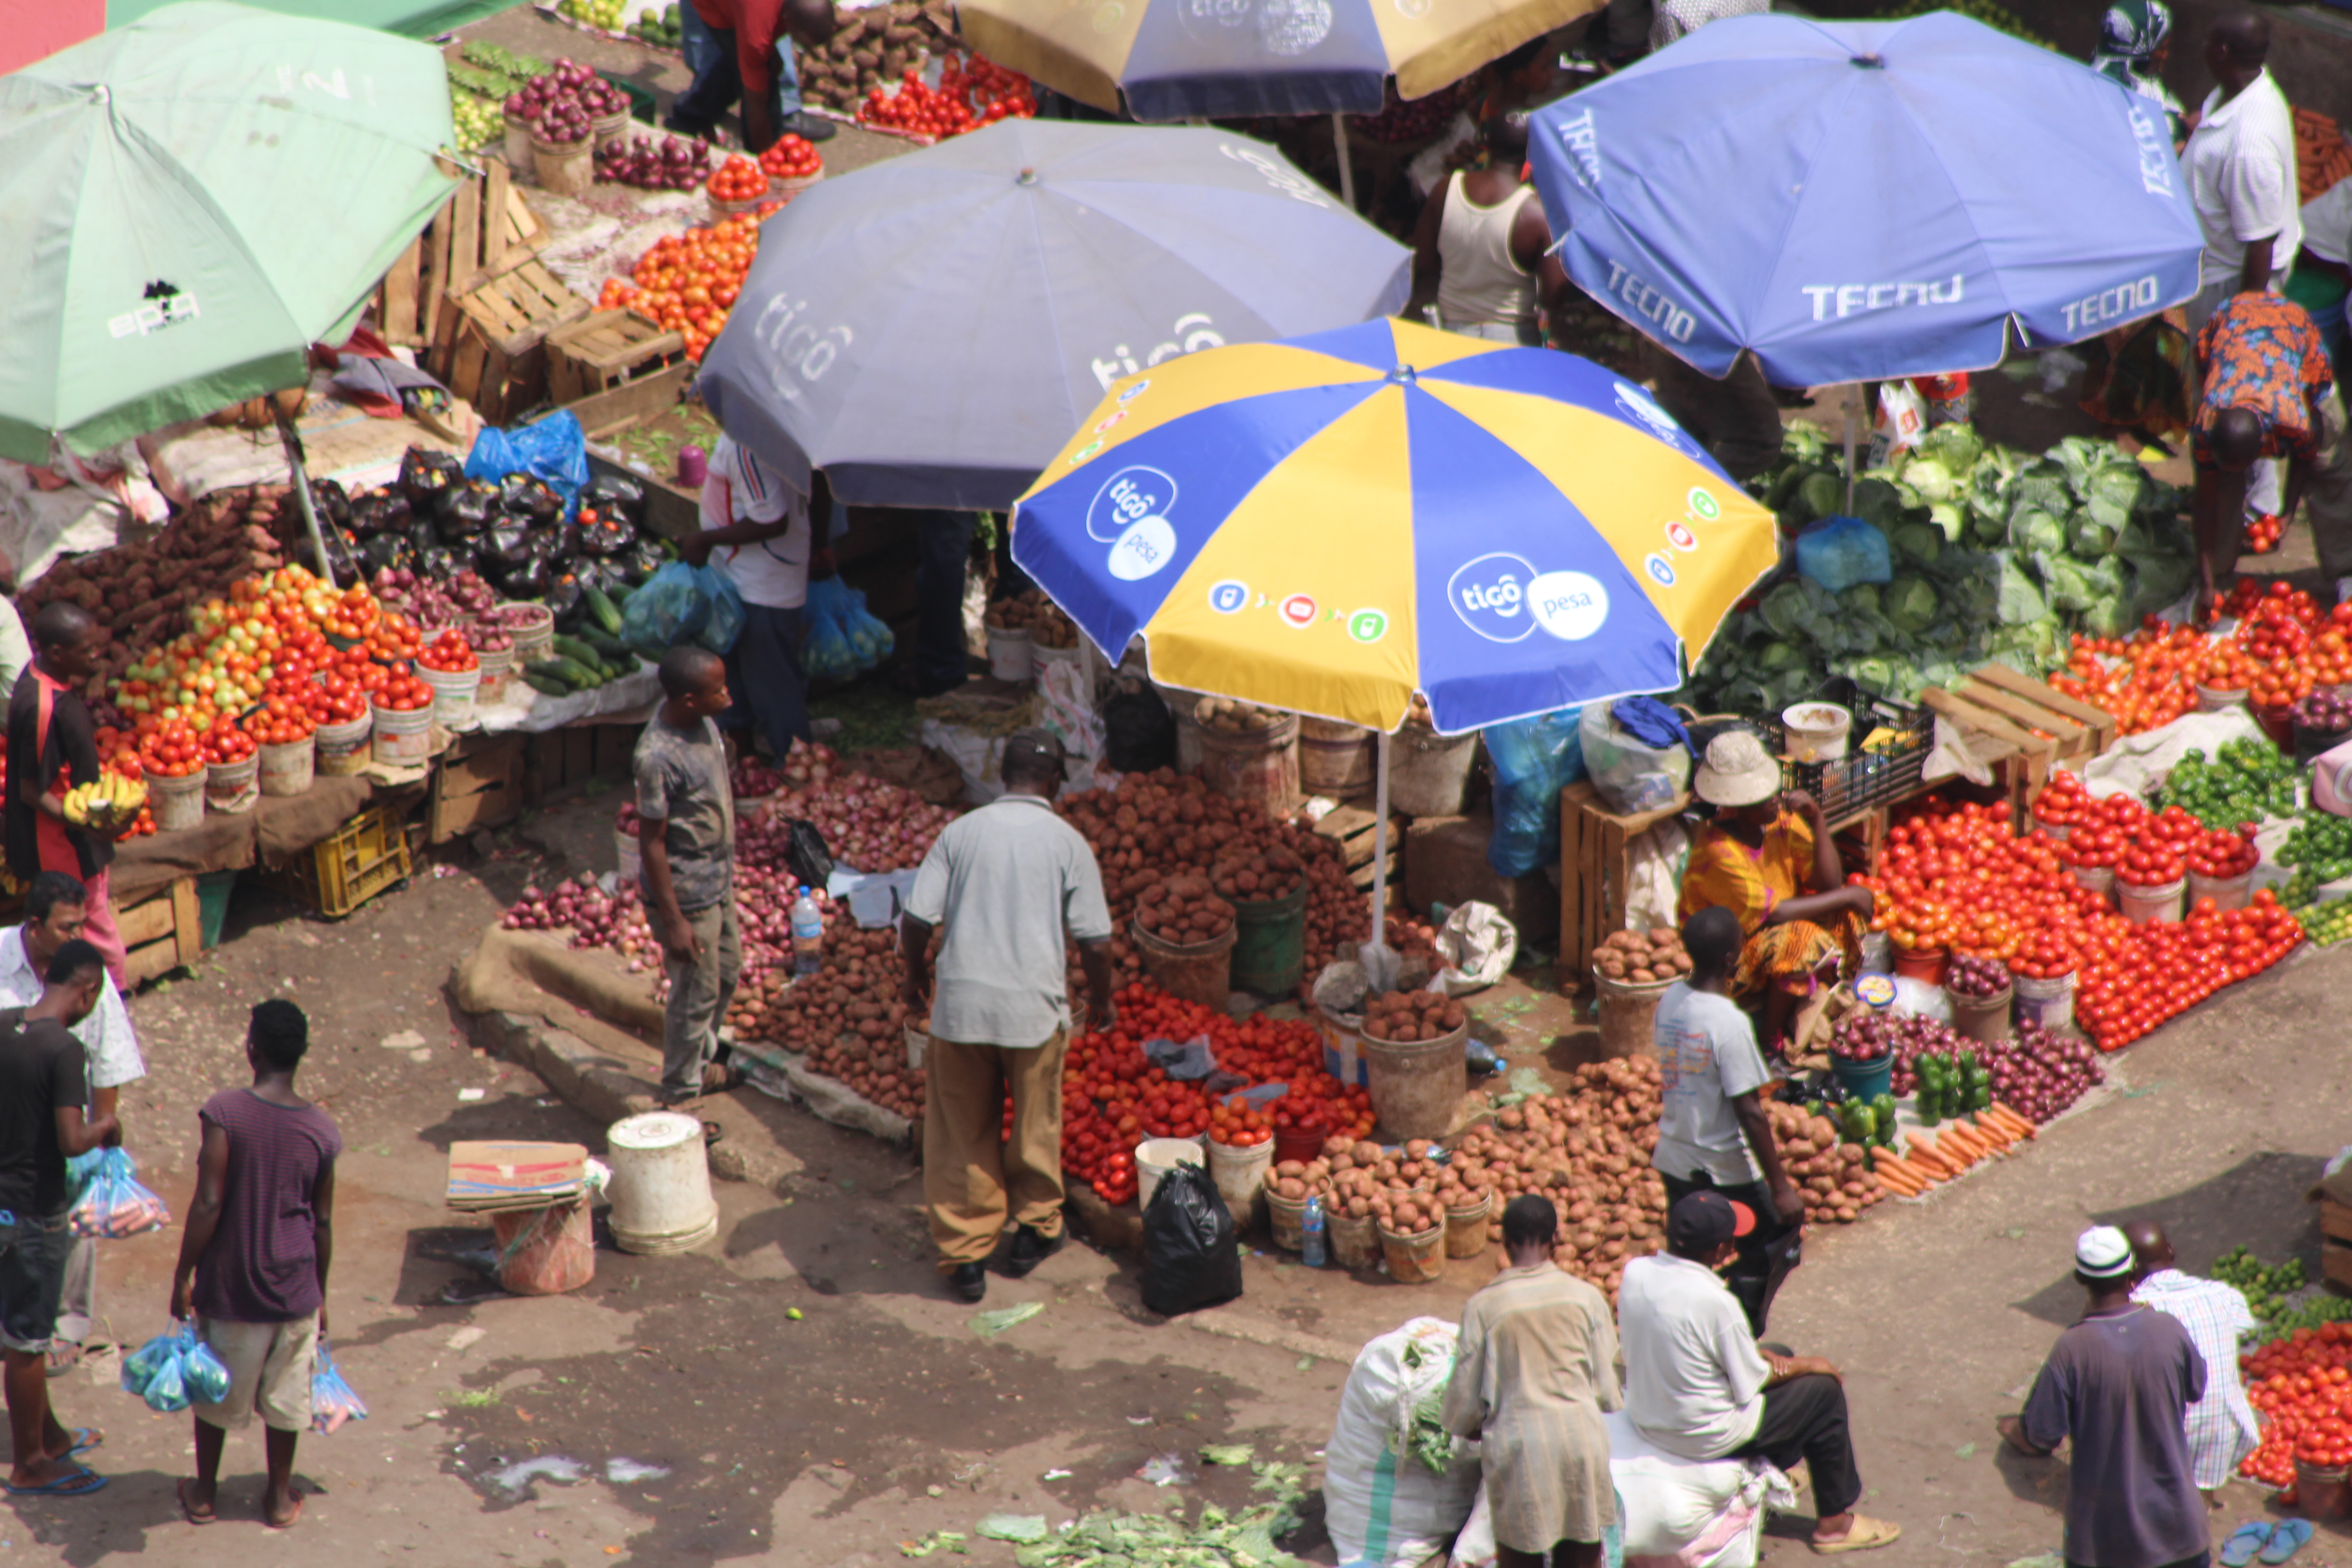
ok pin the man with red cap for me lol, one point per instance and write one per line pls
(1698, 1385)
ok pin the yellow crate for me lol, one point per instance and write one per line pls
(359, 860)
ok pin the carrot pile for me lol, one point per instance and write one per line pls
(2321, 156)
(1929, 1159)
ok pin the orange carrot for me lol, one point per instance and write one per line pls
(1992, 1133)
(2018, 1124)
(1968, 1144)
(1891, 1164)
(1896, 1182)
(1922, 1154)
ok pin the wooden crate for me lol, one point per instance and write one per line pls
(485, 228)
(2029, 728)
(492, 349)
(1351, 825)
(162, 932)
(571, 757)
(2334, 1220)
(479, 785)
(1592, 875)
(2336, 1264)
(607, 350)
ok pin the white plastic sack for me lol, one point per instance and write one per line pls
(1478, 945)
(1900, 421)
(1918, 997)
(1668, 1505)
(1955, 751)
(1066, 702)
(1629, 775)
(1654, 863)
(2138, 764)
(1382, 1507)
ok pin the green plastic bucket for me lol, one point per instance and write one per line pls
(212, 890)
(1270, 944)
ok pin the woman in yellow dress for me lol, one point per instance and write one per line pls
(1768, 858)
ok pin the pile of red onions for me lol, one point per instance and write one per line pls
(1976, 977)
(1865, 1035)
(2040, 1074)
(754, 779)
(563, 104)
(594, 917)
(677, 164)
(811, 764)
(870, 825)
(1907, 1035)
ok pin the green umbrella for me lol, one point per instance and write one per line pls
(189, 202)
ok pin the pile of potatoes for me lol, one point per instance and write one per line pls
(1641, 957)
(1234, 717)
(1835, 1177)
(1038, 615)
(847, 1020)
(872, 47)
(1405, 1016)
(1184, 910)
(1261, 878)
(1407, 1192)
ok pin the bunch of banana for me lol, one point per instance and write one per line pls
(109, 804)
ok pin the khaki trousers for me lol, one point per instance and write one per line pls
(972, 1175)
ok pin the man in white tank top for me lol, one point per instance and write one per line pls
(1481, 254)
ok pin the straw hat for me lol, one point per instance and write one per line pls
(1737, 772)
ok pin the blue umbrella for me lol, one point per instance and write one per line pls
(1858, 200)
(929, 328)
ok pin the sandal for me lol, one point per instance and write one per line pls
(2288, 1540)
(720, 1077)
(1867, 1534)
(64, 1356)
(711, 1134)
(188, 1510)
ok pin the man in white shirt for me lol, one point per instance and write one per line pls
(2220, 1426)
(56, 906)
(758, 530)
(1698, 1385)
(2241, 174)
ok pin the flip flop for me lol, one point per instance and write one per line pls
(2291, 1534)
(63, 1358)
(2243, 1543)
(290, 1522)
(81, 1483)
(188, 1510)
(1867, 1533)
(85, 1439)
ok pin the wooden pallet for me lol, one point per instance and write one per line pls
(484, 229)
(479, 785)
(162, 932)
(2027, 729)
(491, 350)
(607, 350)
(1593, 875)
(1351, 825)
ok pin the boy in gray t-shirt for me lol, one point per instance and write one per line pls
(685, 839)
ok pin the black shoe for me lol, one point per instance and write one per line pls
(807, 127)
(969, 1282)
(692, 129)
(1029, 1249)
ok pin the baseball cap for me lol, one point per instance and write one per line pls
(1032, 745)
(2102, 1253)
(1703, 1221)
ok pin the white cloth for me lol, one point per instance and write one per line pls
(1479, 281)
(2220, 1426)
(1707, 1059)
(105, 1036)
(739, 488)
(16, 650)
(1694, 1377)
(2326, 222)
(2242, 177)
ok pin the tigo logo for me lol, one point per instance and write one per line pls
(1570, 605)
(1126, 498)
(1490, 595)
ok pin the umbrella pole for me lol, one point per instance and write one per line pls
(1848, 461)
(1380, 845)
(1347, 163)
(293, 444)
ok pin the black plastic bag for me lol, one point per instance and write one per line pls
(342, 549)
(601, 533)
(611, 496)
(376, 511)
(602, 576)
(421, 535)
(464, 509)
(424, 474)
(387, 552)
(440, 564)
(1138, 733)
(333, 506)
(504, 544)
(562, 595)
(806, 855)
(529, 497)
(532, 578)
(640, 561)
(1190, 1258)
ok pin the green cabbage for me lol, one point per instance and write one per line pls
(1778, 656)
(1804, 441)
(1908, 602)
(1956, 446)
(1931, 478)
(1861, 598)
(2115, 494)
(1789, 607)
(2016, 599)
(2032, 530)
(1876, 502)
(1920, 542)
(1819, 496)
(1948, 517)
(2089, 538)
(2079, 459)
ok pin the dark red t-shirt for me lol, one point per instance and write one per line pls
(263, 1264)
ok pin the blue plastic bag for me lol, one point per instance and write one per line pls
(332, 1400)
(826, 651)
(112, 1202)
(172, 1371)
(672, 607)
(1840, 552)
(1534, 760)
(726, 620)
(554, 450)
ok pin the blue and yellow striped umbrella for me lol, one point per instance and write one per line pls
(1332, 523)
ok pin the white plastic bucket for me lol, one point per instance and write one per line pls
(2140, 905)
(404, 736)
(229, 787)
(1045, 656)
(2227, 892)
(288, 767)
(661, 1183)
(534, 635)
(2100, 879)
(346, 748)
(1012, 655)
(453, 695)
(497, 673)
(178, 804)
(1240, 1174)
(1155, 1157)
(1817, 731)
(2217, 699)
(2049, 1003)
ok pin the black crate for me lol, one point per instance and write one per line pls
(1862, 781)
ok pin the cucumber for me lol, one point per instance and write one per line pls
(610, 652)
(605, 615)
(570, 647)
(582, 673)
(547, 685)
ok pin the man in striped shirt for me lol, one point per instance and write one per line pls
(2220, 1426)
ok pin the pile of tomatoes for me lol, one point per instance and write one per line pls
(2282, 646)
(2223, 853)
(688, 282)
(2158, 851)
(280, 720)
(170, 750)
(965, 100)
(738, 179)
(449, 653)
(2262, 533)
(226, 744)
(2156, 971)
(2303, 1386)
(792, 158)
(2145, 680)
(403, 693)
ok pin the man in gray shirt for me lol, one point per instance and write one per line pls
(686, 840)
(1009, 882)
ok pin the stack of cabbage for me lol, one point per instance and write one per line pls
(1996, 556)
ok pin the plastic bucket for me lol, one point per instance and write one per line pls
(2100, 879)
(1286, 1218)
(2278, 723)
(1415, 1260)
(453, 695)
(2049, 1003)
(546, 1251)
(2215, 699)
(1466, 1228)
(1155, 1157)
(1270, 944)
(1044, 656)
(1198, 971)
(661, 1183)
(1865, 1080)
(1418, 1086)
(609, 130)
(1877, 953)
(1012, 655)
(1429, 774)
(534, 635)
(345, 749)
(2322, 1493)
(567, 168)
(2140, 905)
(229, 786)
(1981, 1018)
(1343, 1047)
(177, 803)
(1240, 1176)
(1629, 1013)
(1925, 965)
(288, 767)
(1260, 766)
(1335, 760)
(497, 675)
(918, 1040)
(2227, 892)
(2311, 744)
(1355, 1243)
(404, 736)
(626, 855)
(1816, 731)
(1299, 1143)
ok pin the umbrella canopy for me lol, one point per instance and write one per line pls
(928, 329)
(1856, 200)
(1332, 523)
(32, 29)
(1176, 58)
(186, 204)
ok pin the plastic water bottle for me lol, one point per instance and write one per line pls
(1310, 1228)
(808, 934)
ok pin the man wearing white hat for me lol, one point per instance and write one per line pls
(2120, 1384)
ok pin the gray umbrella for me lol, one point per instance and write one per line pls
(929, 329)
